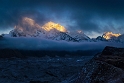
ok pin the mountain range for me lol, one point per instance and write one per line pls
(29, 28)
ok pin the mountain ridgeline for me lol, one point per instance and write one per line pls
(53, 31)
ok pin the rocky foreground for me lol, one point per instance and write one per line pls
(40, 69)
(105, 67)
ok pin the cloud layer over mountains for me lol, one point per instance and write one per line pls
(46, 44)
(89, 15)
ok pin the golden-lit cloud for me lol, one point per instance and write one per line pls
(29, 21)
(27, 26)
(109, 35)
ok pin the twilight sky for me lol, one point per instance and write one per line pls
(93, 17)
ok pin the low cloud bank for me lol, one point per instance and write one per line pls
(46, 44)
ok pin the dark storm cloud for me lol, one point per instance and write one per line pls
(84, 12)
(87, 12)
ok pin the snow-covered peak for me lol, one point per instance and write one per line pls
(51, 25)
(110, 35)
(100, 38)
(79, 35)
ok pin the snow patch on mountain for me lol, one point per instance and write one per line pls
(80, 36)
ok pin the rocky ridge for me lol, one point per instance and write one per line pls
(105, 67)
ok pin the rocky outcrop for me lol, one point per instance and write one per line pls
(105, 67)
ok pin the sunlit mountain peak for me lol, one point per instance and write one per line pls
(51, 25)
(109, 35)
